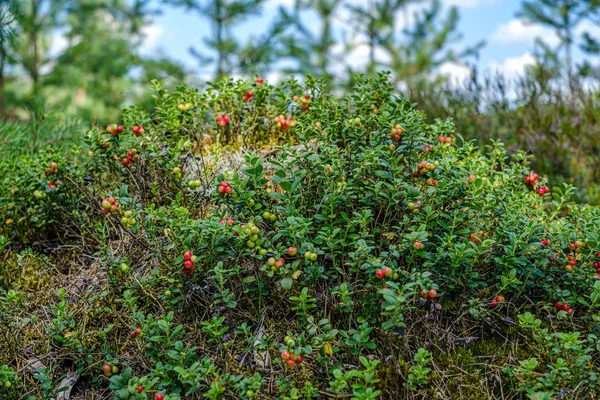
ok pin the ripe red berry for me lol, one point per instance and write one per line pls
(188, 263)
(159, 396)
(379, 273)
(432, 293)
(292, 251)
(132, 334)
(424, 293)
(299, 359)
(500, 298)
(285, 355)
(187, 255)
(290, 363)
(140, 389)
(106, 368)
(138, 331)
(494, 302)
(387, 271)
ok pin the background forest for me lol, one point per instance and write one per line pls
(551, 109)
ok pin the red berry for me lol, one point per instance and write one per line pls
(188, 263)
(424, 293)
(132, 334)
(299, 359)
(565, 307)
(159, 396)
(138, 331)
(292, 251)
(140, 389)
(432, 293)
(187, 255)
(494, 302)
(106, 368)
(379, 273)
(500, 298)
(290, 363)
(285, 355)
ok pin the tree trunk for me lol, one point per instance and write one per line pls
(2, 60)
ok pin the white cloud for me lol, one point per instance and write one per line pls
(517, 31)
(468, 3)
(277, 3)
(58, 44)
(151, 34)
(513, 66)
(454, 71)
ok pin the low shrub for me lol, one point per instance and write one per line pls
(368, 255)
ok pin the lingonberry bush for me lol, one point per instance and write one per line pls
(364, 254)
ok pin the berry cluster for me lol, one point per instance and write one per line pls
(38, 194)
(532, 179)
(185, 106)
(382, 273)
(425, 167)
(291, 359)
(576, 245)
(545, 242)
(497, 300)
(195, 184)
(304, 101)
(228, 221)
(108, 371)
(275, 264)
(136, 333)
(114, 129)
(127, 218)
(543, 190)
(414, 206)
(267, 216)
(397, 132)
(224, 188)
(188, 263)
(429, 294)
(249, 96)
(223, 120)
(253, 233)
(445, 139)
(52, 169)
(176, 172)
(284, 123)
(310, 256)
(563, 307)
(130, 158)
(432, 182)
(138, 130)
(109, 205)
(418, 246)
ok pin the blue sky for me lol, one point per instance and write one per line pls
(509, 39)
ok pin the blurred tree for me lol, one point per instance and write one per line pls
(565, 17)
(313, 53)
(6, 38)
(377, 22)
(230, 55)
(427, 43)
(35, 22)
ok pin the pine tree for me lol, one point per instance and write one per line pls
(564, 17)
